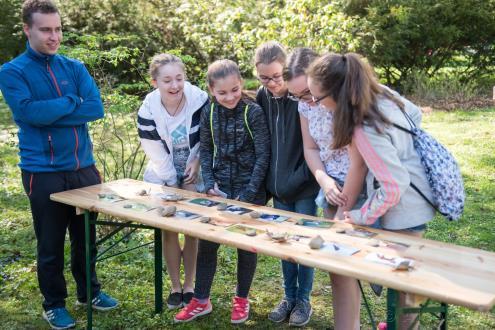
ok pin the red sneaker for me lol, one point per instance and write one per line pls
(240, 310)
(193, 310)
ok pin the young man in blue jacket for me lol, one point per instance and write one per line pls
(52, 99)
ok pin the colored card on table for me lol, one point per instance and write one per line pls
(138, 207)
(338, 248)
(272, 217)
(237, 209)
(111, 198)
(359, 232)
(242, 229)
(186, 215)
(392, 261)
(204, 202)
(314, 223)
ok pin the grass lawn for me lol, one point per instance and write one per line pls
(129, 277)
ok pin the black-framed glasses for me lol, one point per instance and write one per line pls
(304, 97)
(275, 79)
(317, 100)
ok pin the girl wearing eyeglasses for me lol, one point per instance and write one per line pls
(363, 112)
(289, 179)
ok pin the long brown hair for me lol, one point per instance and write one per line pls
(353, 85)
(221, 69)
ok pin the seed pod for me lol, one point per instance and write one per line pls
(127, 206)
(254, 215)
(205, 219)
(142, 192)
(222, 206)
(101, 195)
(340, 230)
(316, 242)
(167, 211)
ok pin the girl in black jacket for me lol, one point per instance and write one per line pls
(234, 155)
(289, 179)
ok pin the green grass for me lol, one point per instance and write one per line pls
(129, 277)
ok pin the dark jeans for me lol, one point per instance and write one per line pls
(51, 221)
(298, 279)
(206, 266)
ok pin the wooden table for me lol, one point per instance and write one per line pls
(443, 272)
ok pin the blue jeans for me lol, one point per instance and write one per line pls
(298, 279)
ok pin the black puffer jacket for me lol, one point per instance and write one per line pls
(240, 161)
(289, 178)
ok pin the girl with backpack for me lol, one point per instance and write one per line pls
(234, 154)
(289, 179)
(168, 126)
(330, 167)
(363, 116)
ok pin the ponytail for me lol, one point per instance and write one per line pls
(352, 84)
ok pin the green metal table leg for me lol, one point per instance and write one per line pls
(443, 317)
(89, 311)
(158, 272)
(392, 309)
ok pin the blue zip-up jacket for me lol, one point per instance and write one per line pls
(52, 99)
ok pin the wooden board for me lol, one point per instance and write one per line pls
(444, 272)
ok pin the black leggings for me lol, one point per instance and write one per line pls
(206, 267)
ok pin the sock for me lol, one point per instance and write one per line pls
(203, 301)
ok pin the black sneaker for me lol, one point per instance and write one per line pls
(281, 312)
(186, 297)
(301, 314)
(174, 300)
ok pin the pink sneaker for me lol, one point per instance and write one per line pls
(382, 326)
(240, 310)
(193, 310)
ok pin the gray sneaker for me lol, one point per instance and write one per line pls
(301, 314)
(281, 312)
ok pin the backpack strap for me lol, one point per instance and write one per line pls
(246, 121)
(212, 107)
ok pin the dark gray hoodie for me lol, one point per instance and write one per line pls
(289, 178)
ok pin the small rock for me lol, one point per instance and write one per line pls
(254, 215)
(300, 222)
(316, 242)
(279, 237)
(142, 192)
(127, 206)
(205, 219)
(340, 230)
(102, 195)
(251, 232)
(403, 265)
(167, 211)
(222, 206)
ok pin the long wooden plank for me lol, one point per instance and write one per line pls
(444, 272)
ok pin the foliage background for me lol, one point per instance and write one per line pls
(432, 50)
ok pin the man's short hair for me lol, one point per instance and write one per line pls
(29, 7)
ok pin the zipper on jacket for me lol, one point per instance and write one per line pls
(276, 159)
(75, 149)
(59, 92)
(50, 144)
